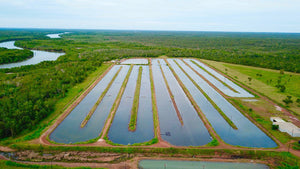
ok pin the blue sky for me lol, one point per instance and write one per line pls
(193, 15)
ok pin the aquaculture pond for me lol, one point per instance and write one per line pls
(38, 56)
(191, 132)
(135, 61)
(180, 124)
(119, 132)
(164, 164)
(246, 134)
(203, 69)
(70, 131)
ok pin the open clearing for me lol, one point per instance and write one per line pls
(264, 81)
(190, 99)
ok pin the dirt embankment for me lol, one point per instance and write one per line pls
(43, 138)
(293, 119)
(117, 161)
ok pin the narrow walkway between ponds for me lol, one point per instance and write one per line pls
(247, 134)
(69, 130)
(119, 132)
(217, 79)
(193, 131)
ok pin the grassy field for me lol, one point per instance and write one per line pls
(279, 158)
(14, 165)
(264, 81)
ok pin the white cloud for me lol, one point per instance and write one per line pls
(235, 15)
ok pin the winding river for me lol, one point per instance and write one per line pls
(38, 56)
(56, 35)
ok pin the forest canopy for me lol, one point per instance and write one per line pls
(14, 55)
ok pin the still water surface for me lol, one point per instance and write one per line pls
(164, 164)
(38, 56)
(119, 132)
(193, 131)
(56, 35)
(69, 130)
(247, 134)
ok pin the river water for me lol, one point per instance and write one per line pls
(56, 35)
(38, 56)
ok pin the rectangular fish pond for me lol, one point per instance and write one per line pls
(181, 93)
(165, 164)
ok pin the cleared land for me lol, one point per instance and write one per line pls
(184, 85)
(264, 81)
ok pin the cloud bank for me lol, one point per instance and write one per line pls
(196, 15)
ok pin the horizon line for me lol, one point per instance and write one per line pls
(149, 30)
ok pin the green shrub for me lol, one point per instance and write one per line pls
(275, 127)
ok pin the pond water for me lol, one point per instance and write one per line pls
(247, 134)
(193, 131)
(38, 56)
(165, 164)
(240, 91)
(119, 132)
(69, 130)
(136, 61)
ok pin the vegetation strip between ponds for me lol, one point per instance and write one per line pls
(87, 118)
(208, 98)
(135, 104)
(116, 105)
(212, 75)
(154, 106)
(171, 95)
(193, 102)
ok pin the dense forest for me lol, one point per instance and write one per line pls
(14, 55)
(28, 94)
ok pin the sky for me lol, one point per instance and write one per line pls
(179, 15)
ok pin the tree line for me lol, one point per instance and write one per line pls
(14, 55)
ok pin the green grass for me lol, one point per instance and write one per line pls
(210, 100)
(135, 105)
(296, 146)
(15, 165)
(154, 106)
(211, 75)
(265, 155)
(91, 112)
(266, 83)
(117, 103)
(214, 143)
(171, 95)
(193, 102)
(263, 120)
(270, 77)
